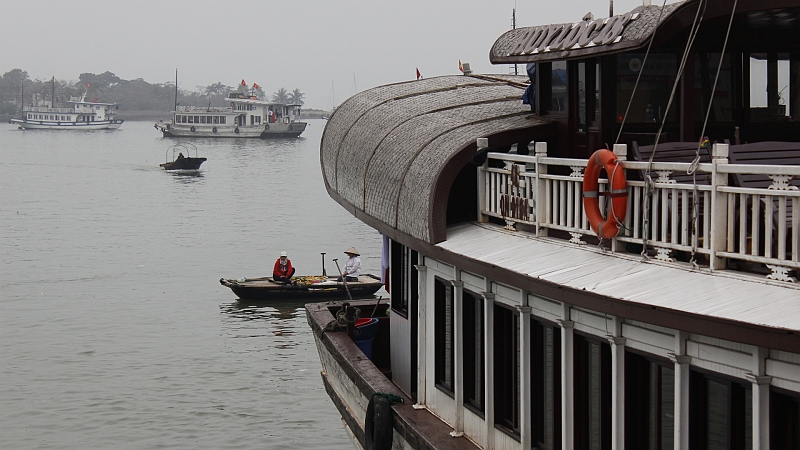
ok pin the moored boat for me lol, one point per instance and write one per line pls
(312, 288)
(675, 327)
(245, 117)
(43, 114)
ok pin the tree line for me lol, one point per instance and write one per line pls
(132, 95)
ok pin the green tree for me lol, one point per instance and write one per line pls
(280, 96)
(10, 85)
(216, 89)
(296, 97)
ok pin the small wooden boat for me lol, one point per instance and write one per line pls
(308, 287)
(182, 162)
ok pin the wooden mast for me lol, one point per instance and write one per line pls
(176, 89)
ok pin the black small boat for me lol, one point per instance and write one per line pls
(182, 162)
(309, 287)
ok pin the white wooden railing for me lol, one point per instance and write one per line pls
(750, 226)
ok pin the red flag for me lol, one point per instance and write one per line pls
(255, 85)
(460, 67)
(419, 75)
(245, 84)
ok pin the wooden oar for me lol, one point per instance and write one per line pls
(344, 280)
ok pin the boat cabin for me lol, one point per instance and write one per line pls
(81, 111)
(512, 321)
(587, 84)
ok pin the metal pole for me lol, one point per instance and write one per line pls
(324, 274)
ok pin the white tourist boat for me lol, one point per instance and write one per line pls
(245, 117)
(42, 114)
(536, 304)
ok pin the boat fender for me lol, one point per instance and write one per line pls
(192, 129)
(605, 228)
(379, 422)
(214, 130)
(236, 130)
(266, 127)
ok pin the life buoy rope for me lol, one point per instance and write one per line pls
(605, 228)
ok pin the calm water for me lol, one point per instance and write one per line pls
(115, 330)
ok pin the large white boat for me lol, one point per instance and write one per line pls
(537, 304)
(42, 114)
(245, 117)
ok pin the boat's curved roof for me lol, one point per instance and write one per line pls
(764, 17)
(390, 154)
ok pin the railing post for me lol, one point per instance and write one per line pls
(621, 151)
(719, 205)
(540, 196)
(482, 187)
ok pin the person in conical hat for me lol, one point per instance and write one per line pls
(352, 268)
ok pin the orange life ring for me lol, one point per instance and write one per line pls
(605, 228)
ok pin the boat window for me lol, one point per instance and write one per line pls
(208, 119)
(652, 95)
(649, 402)
(403, 278)
(473, 348)
(771, 89)
(506, 368)
(720, 412)
(443, 335)
(222, 120)
(545, 385)
(191, 119)
(592, 393)
(196, 119)
(705, 71)
(558, 86)
(216, 119)
(785, 409)
(202, 119)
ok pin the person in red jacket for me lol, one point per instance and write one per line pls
(283, 269)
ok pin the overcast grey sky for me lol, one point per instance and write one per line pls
(325, 48)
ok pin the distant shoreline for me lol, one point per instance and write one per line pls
(161, 115)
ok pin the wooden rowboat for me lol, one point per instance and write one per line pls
(311, 288)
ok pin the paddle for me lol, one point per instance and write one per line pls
(344, 280)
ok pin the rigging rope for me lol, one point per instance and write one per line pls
(696, 163)
(648, 180)
(641, 69)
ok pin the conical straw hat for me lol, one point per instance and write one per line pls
(352, 251)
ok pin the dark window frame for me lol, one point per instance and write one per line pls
(443, 292)
(403, 276)
(638, 383)
(737, 408)
(538, 383)
(583, 378)
(784, 405)
(474, 353)
(506, 370)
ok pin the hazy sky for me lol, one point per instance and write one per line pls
(325, 48)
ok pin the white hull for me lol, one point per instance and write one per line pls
(277, 130)
(41, 125)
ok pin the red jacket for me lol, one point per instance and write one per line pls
(282, 271)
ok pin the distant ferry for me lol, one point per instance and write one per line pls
(82, 115)
(246, 117)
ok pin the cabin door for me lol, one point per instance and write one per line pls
(586, 102)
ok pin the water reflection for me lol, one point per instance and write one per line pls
(262, 310)
(186, 176)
